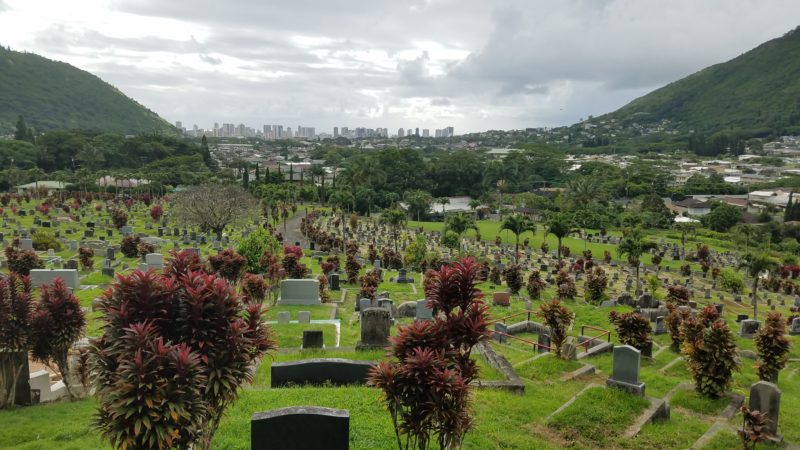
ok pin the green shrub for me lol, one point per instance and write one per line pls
(255, 245)
(773, 347)
(730, 280)
(44, 240)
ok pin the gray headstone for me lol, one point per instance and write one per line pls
(284, 317)
(794, 330)
(375, 326)
(625, 373)
(766, 397)
(660, 326)
(501, 328)
(300, 292)
(422, 311)
(300, 428)
(46, 276)
(26, 244)
(304, 317)
(364, 303)
(748, 328)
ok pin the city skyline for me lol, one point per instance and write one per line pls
(287, 132)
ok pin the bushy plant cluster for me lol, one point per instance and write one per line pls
(535, 285)
(352, 267)
(496, 276)
(292, 266)
(513, 277)
(391, 259)
(679, 295)
(710, 351)
(596, 284)
(132, 247)
(255, 245)
(730, 280)
(22, 261)
(565, 289)
(369, 285)
(173, 355)
(427, 387)
(86, 256)
(674, 321)
(634, 330)
(44, 240)
(558, 318)
(254, 288)
(183, 262)
(229, 264)
(16, 309)
(773, 347)
(324, 293)
(119, 218)
(156, 212)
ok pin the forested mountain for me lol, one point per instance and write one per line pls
(55, 95)
(757, 92)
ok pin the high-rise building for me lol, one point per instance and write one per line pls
(447, 132)
(426, 133)
(438, 133)
(401, 132)
(267, 131)
(278, 131)
(179, 124)
(416, 132)
(335, 132)
(345, 131)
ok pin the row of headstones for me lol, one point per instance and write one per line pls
(764, 396)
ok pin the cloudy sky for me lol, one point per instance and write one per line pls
(471, 64)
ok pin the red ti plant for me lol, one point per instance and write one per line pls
(558, 318)
(119, 218)
(426, 388)
(156, 211)
(183, 262)
(86, 255)
(172, 357)
(229, 264)
(254, 288)
(57, 324)
(16, 308)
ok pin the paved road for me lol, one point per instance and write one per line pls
(292, 233)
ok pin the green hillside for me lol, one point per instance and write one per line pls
(52, 95)
(758, 90)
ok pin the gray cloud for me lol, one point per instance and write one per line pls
(430, 63)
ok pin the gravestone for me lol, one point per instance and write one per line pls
(407, 309)
(741, 317)
(647, 300)
(388, 305)
(544, 343)
(748, 328)
(336, 371)
(423, 312)
(110, 253)
(501, 299)
(26, 244)
(625, 373)
(300, 292)
(569, 350)
(766, 397)
(375, 326)
(363, 304)
(794, 330)
(284, 317)
(300, 428)
(312, 339)
(500, 327)
(304, 317)
(126, 230)
(660, 326)
(71, 265)
(334, 281)
(46, 276)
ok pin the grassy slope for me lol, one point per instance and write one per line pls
(52, 94)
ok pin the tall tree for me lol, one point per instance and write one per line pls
(633, 245)
(396, 220)
(518, 224)
(559, 225)
(756, 265)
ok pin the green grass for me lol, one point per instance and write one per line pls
(290, 335)
(692, 401)
(598, 416)
(96, 278)
(547, 368)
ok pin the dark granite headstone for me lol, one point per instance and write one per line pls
(312, 339)
(339, 372)
(300, 428)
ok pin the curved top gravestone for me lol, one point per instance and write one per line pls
(300, 428)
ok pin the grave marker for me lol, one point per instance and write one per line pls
(300, 428)
(625, 374)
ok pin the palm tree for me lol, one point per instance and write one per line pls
(459, 224)
(318, 172)
(583, 190)
(754, 266)
(473, 204)
(443, 201)
(396, 220)
(559, 226)
(518, 224)
(747, 231)
(341, 199)
(634, 246)
(684, 228)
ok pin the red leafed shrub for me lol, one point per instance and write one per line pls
(292, 266)
(119, 218)
(145, 248)
(172, 357)
(333, 260)
(156, 211)
(535, 284)
(513, 276)
(183, 262)
(130, 246)
(254, 288)
(352, 267)
(755, 428)
(56, 326)
(596, 284)
(16, 309)
(710, 351)
(22, 261)
(496, 276)
(559, 319)
(773, 347)
(679, 295)
(44, 208)
(229, 264)
(426, 388)
(324, 294)
(327, 267)
(369, 285)
(293, 250)
(566, 289)
(634, 330)
(86, 255)
(98, 207)
(674, 322)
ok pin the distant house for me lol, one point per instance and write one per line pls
(691, 206)
(49, 185)
(777, 198)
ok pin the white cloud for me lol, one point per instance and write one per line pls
(382, 63)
